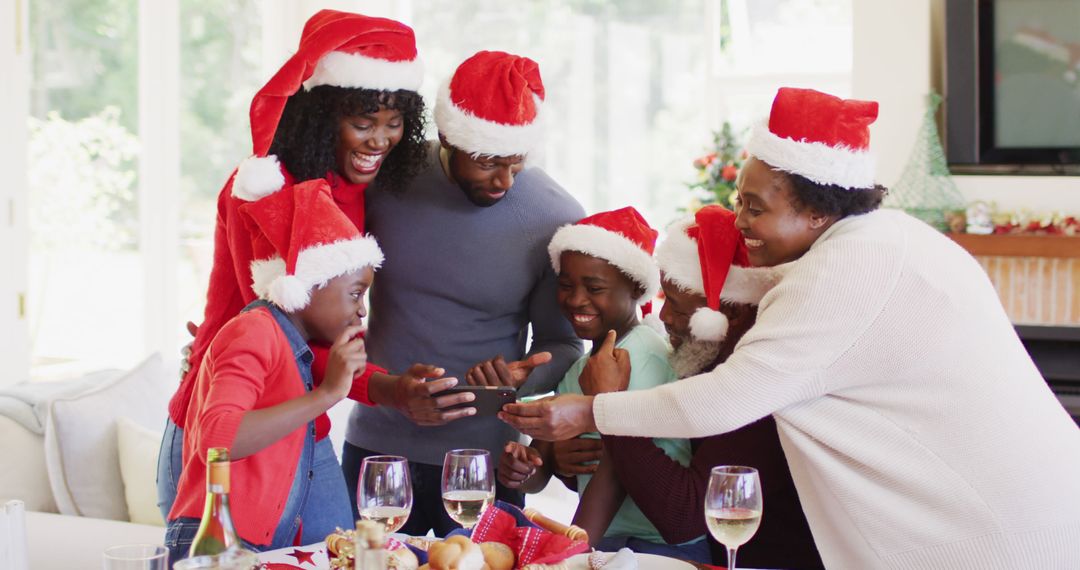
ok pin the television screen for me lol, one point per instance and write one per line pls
(1036, 73)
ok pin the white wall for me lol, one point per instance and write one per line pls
(14, 104)
(898, 45)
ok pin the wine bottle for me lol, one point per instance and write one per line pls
(216, 532)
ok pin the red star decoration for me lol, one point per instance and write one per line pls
(301, 556)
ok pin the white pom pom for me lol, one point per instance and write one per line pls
(258, 177)
(707, 324)
(289, 293)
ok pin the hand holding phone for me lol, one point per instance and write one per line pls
(489, 399)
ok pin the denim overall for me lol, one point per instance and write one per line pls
(318, 484)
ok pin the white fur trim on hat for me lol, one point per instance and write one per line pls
(357, 71)
(677, 257)
(478, 136)
(258, 177)
(615, 248)
(314, 267)
(707, 324)
(819, 162)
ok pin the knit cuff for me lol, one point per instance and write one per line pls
(359, 390)
(603, 412)
(220, 431)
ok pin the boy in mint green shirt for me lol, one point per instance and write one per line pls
(605, 271)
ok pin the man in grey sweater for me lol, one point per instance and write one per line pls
(466, 273)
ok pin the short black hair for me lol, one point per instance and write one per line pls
(834, 200)
(307, 135)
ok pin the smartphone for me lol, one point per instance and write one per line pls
(489, 399)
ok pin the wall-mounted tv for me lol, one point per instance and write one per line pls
(1012, 86)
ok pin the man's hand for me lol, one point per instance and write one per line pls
(413, 396)
(551, 419)
(577, 456)
(496, 372)
(516, 464)
(606, 371)
(347, 358)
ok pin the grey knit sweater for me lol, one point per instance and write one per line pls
(461, 284)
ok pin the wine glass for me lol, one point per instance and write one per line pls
(733, 506)
(384, 493)
(468, 485)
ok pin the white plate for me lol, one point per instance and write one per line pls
(645, 562)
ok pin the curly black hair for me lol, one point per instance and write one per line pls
(833, 200)
(307, 135)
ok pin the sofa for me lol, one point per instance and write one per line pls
(81, 454)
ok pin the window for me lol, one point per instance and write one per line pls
(129, 142)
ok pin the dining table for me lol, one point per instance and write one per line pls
(314, 557)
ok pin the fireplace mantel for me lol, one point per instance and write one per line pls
(1018, 245)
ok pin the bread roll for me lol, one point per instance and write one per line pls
(497, 555)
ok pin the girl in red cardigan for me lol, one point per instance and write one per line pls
(334, 111)
(255, 393)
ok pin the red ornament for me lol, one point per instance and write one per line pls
(729, 172)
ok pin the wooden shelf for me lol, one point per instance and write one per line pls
(1015, 245)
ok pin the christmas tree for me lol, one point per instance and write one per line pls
(926, 190)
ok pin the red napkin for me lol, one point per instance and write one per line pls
(530, 543)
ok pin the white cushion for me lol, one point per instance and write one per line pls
(139, 448)
(81, 449)
(23, 474)
(58, 542)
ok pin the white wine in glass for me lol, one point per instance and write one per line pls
(468, 485)
(384, 492)
(465, 507)
(733, 506)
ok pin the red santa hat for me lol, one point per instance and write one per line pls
(622, 238)
(302, 240)
(818, 136)
(336, 48)
(492, 105)
(706, 254)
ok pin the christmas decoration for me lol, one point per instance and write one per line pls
(925, 189)
(717, 171)
(984, 218)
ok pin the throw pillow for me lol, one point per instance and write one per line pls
(81, 449)
(139, 448)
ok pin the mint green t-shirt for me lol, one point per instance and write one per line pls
(648, 368)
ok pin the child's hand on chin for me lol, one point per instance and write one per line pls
(347, 359)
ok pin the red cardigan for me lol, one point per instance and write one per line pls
(230, 291)
(249, 366)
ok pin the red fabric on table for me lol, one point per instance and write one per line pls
(531, 544)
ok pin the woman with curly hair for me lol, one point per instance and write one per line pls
(343, 108)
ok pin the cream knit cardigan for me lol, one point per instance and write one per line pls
(918, 431)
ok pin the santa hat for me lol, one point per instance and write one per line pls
(622, 238)
(302, 240)
(706, 254)
(491, 106)
(818, 136)
(336, 48)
